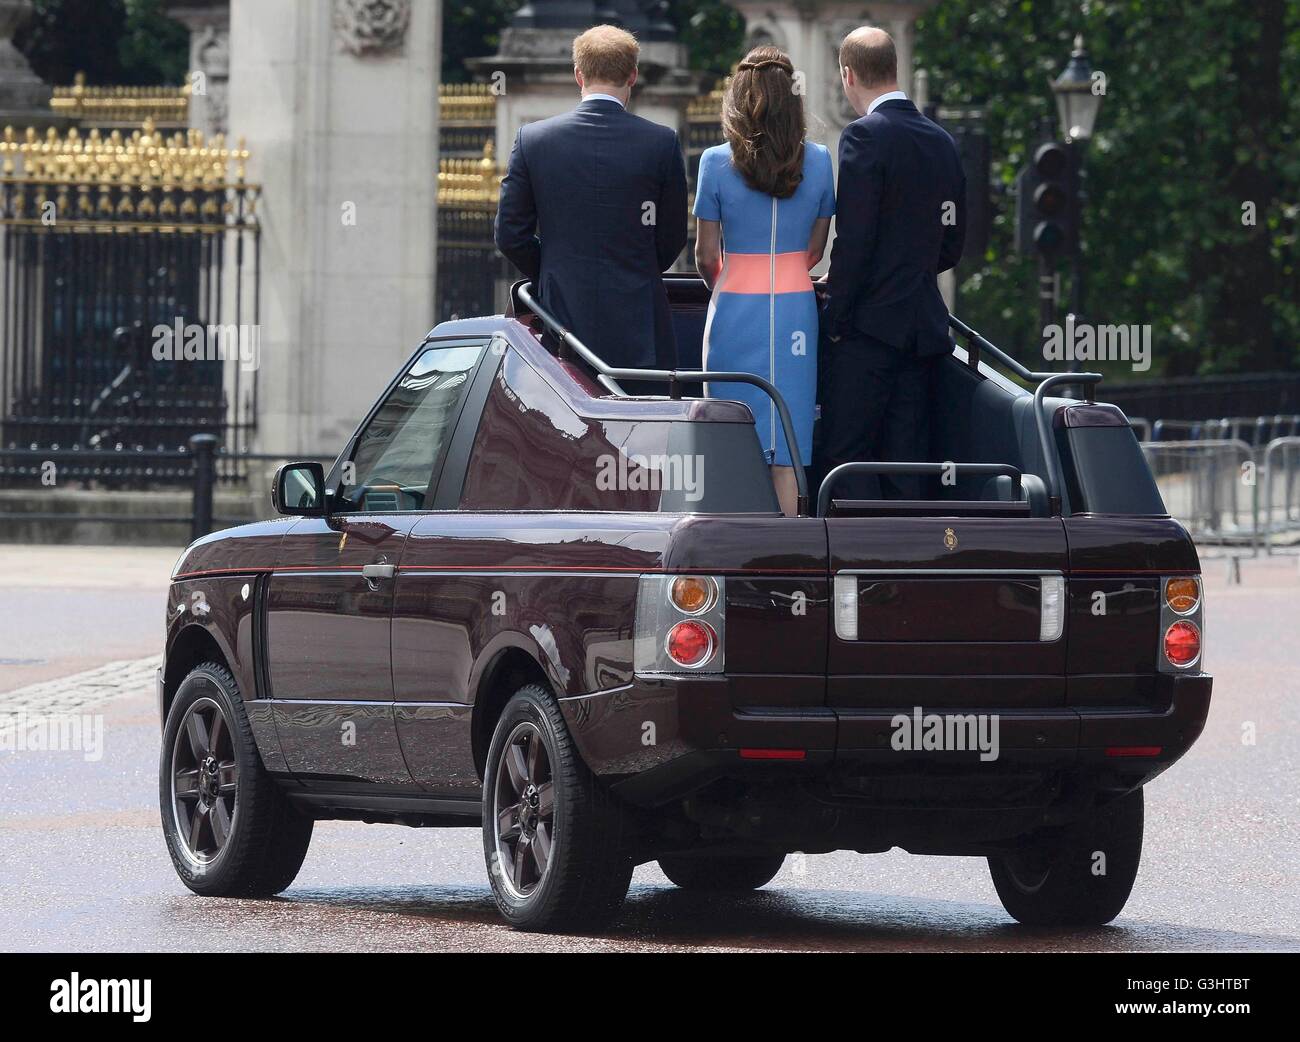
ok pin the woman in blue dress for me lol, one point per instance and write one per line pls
(763, 203)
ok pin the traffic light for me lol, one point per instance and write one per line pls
(1047, 202)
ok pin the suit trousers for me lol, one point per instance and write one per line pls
(876, 405)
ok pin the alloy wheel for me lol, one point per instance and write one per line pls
(524, 811)
(205, 778)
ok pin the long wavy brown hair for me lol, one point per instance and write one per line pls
(763, 121)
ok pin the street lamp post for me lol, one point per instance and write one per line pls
(1077, 103)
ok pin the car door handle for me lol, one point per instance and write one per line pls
(373, 572)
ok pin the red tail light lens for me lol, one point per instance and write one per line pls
(1182, 643)
(691, 643)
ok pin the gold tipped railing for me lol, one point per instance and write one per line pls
(470, 183)
(467, 103)
(141, 181)
(167, 106)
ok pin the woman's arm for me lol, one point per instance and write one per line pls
(708, 250)
(821, 230)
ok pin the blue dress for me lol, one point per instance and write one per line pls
(763, 314)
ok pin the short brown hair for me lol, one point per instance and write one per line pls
(870, 53)
(763, 121)
(606, 54)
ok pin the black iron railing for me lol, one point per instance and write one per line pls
(128, 277)
(199, 465)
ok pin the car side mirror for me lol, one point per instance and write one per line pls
(299, 489)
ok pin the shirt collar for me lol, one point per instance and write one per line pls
(602, 97)
(893, 95)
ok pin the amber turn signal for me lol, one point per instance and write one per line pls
(693, 594)
(1182, 595)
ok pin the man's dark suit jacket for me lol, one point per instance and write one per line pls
(593, 210)
(898, 171)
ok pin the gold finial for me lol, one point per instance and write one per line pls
(109, 175)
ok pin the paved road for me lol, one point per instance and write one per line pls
(64, 609)
(83, 866)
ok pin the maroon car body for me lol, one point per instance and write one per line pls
(375, 644)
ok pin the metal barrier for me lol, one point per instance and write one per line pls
(1254, 430)
(1211, 486)
(1281, 496)
(1229, 493)
(200, 464)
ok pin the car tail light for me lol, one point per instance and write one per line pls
(681, 624)
(690, 643)
(1182, 595)
(1182, 644)
(693, 594)
(1182, 623)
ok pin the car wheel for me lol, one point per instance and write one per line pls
(1082, 876)
(722, 873)
(557, 843)
(230, 831)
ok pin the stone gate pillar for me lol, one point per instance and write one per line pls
(338, 102)
(209, 75)
(532, 73)
(810, 32)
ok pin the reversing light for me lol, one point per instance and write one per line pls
(1051, 613)
(846, 607)
(690, 643)
(1182, 595)
(693, 594)
(1182, 644)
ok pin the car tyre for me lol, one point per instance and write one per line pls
(1054, 882)
(557, 843)
(722, 873)
(230, 830)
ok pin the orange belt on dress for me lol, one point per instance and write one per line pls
(752, 273)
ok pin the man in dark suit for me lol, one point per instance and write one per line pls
(593, 210)
(899, 222)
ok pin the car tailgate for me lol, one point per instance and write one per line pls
(946, 612)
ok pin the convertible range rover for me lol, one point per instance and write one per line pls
(525, 601)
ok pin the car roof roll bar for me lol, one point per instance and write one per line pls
(846, 469)
(1044, 382)
(608, 376)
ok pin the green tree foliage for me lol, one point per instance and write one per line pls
(114, 42)
(471, 29)
(1195, 123)
(713, 32)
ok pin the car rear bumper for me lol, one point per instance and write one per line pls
(662, 737)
